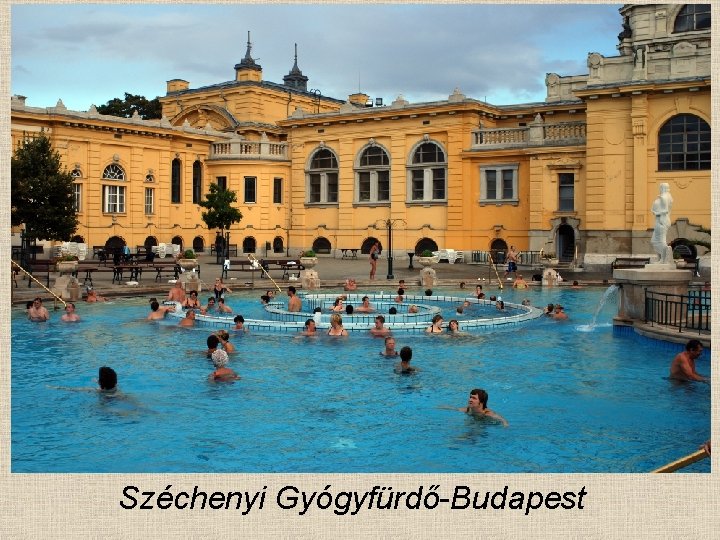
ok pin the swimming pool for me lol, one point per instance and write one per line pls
(577, 399)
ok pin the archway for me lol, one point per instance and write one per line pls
(367, 244)
(177, 240)
(249, 245)
(114, 242)
(321, 245)
(565, 243)
(150, 241)
(278, 244)
(683, 249)
(498, 249)
(425, 243)
(198, 244)
(78, 239)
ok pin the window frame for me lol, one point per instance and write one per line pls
(688, 16)
(197, 182)
(176, 181)
(77, 197)
(323, 182)
(277, 190)
(250, 184)
(149, 191)
(500, 171)
(421, 171)
(677, 142)
(119, 198)
(221, 182)
(569, 186)
(373, 172)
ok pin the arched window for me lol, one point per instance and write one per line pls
(427, 173)
(278, 245)
(322, 178)
(372, 176)
(684, 144)
(197, 182)
(425, 243)
(77, 189)
(175, 181)
(321, 245)
(177, 240)
(77, 238)
(693, 17)
(113, 195)
(198, 244)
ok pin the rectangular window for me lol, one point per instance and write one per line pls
(438, 184)
(250, 192)
(418, 184)
(383, 186)
(222, 182)
(566, 192)
(175, 188)
(332, 187)
(77, 197)
(314, 188)
(499, 184)
(149, 200)
(277, 190)
(114, 199)
(364, 187)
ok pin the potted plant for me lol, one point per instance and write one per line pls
(308, 258)
(66, 264)
(426, 258)
(188, 260)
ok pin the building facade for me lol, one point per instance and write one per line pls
(574, 176)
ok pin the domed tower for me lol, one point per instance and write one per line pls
(296, 79)
(248, 69)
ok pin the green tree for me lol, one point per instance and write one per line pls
(147, 109)
(221, 214)
(41, 193)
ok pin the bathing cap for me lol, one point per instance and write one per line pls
(219, 358)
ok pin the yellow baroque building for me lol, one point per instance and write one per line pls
(574, 176)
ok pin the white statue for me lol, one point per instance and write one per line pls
(661, 207)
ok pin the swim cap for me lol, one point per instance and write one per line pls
(219, 358)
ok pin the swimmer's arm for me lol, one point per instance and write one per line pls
(495, 415)
(688, 372)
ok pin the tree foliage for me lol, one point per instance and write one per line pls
(41, 193)
(221, 214)
(147, 109)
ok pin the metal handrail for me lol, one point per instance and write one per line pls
(256, 263)
(492, 263)
(28, 274)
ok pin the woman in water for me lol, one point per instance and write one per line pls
(436, 326)
(336, 327)
(220, 289)
(453, 327)
(192, 302)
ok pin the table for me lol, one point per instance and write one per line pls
(135, 272)
(349, 253)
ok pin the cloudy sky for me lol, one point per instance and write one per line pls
(88, 53)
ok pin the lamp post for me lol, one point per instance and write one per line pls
(389, 224)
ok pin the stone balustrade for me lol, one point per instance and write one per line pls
(242, 149)
(535, 134)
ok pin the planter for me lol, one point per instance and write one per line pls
(188, 264)
(426, 261)
(66, 267)
(308, 262)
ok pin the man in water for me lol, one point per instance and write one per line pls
(189, 319)
(683, 365)
(310, 329)
(294, 302)
(477, 406)
(389, 347)
(365, 307)
(158, 312)
(177, 293)
(379, 330)
(107, 379)
(70, 315)
(404, 366)
(38, 312)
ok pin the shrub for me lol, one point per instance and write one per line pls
(308, 253)
(426, 253)
(188, 254)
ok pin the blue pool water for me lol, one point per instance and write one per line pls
(578, 399)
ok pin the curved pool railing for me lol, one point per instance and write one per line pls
(283, 321)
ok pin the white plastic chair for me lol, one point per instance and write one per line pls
(82, 251)
(175, 250)
(161, 251)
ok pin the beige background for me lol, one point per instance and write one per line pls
(87, 506)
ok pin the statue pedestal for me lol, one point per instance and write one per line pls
(309, 280)
(67, 288)
(190, 281)
(662, 278)
(428, 277)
